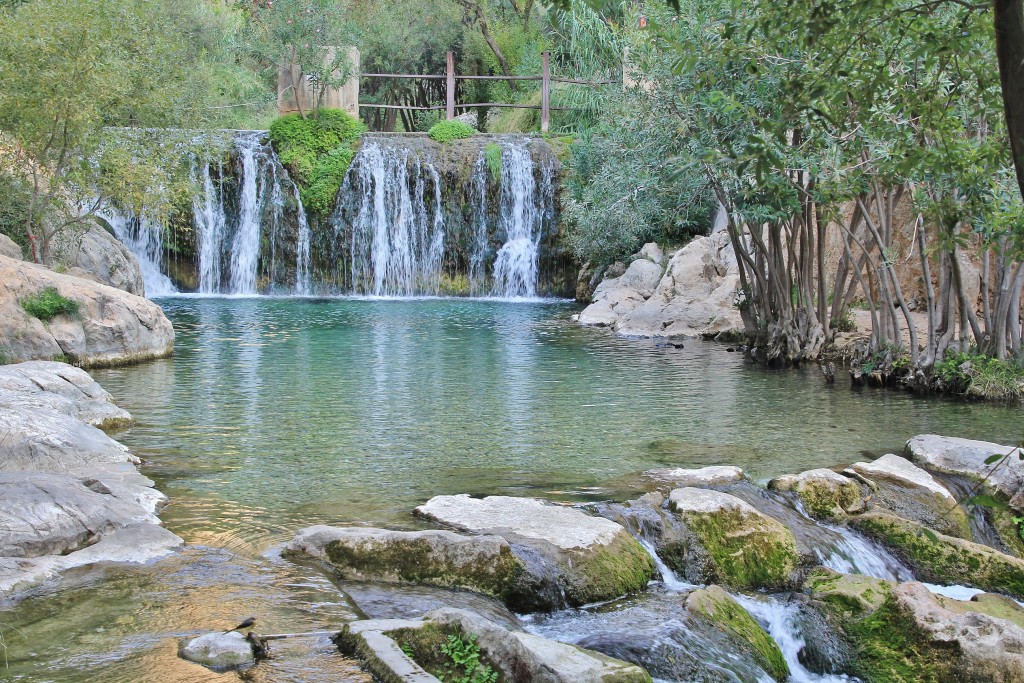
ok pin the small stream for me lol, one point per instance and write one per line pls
(277, 413)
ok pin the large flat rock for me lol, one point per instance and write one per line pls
(61, 388)
(112, 327)
(967, 457)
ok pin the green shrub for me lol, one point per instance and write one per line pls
(317, 151)
(446, 131)
(492, 155)
(980, 376)
(48, 304)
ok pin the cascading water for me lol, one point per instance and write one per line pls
(245, 248)
(144, 238)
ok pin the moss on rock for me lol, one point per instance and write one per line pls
(719, 608)
(608, 571)
(847, 596)
(945, 559)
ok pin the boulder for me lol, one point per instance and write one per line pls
(911, 492)
(584, 558)
(219, 651)
(61, 388)
(721, 609)
(905, 633)
(967, 457)
(94, 254)
(715, 475)
(10, 248)
(747, 549)
(484, 564)
(111, 327)
(944, 559)
(825, 494)
(518, 656)
(616, 297)
(651, 252)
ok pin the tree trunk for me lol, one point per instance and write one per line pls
(1009, 23)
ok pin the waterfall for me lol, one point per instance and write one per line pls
(245, 248)
(522, 215)
(210, 220)
(144, 238)
(303, 285)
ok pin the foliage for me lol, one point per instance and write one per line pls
(48, 304)
(317, 151)
(973, 374)
(465, 664)
(14, 202)
(492, 155)
(446, 131)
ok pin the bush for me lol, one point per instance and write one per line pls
(980, 376)
(48, 304)
(492, 155)
(14, 201)
(446, 131)
(317, 151)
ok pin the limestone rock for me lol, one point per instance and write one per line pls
(484, 564)
(824, 493)
(945, 559)
(912, 493)
(847, 595)
(219, 650)
(967, 457)
(722, 610)
(61, 388)
(715, 475)
(517, 655)
(747, 548)
(112, 327)
(695, 296)
(587, 559)
(92, 253)
(9, 248)
(651, 252)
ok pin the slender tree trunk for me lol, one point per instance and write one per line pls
(1009, 24)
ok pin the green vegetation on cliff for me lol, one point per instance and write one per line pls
(446, 131)
(48, 304)
(317, 150)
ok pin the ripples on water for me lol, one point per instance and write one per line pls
(275, 414)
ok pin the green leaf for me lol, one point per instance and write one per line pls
(984, 500)
(930, 535)
(993, 458)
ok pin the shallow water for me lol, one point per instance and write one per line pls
(275, 414)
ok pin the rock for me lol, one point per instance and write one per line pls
(219, 651)
(747, 548)
(825, 494)
(61, 388)
(92, 253)
(10, 248)
(694, 297)
(905, 633)
(718, 607)
(910, 492)
(715, 475)
(587, 559)
(945, 559)
(616, 297)
(484, 564)
(517, 655)
(651, 252)
(112, 327)
(967, 457)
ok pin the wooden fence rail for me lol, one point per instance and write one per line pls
(450, 78)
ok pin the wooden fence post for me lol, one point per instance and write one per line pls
(450, 85)
(545, 94)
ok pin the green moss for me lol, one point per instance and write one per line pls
(416, 561)
(317, 150)
(609, 571)
(48, 304)
(847, 596)
(889, 646)
(748, 552)
(945, 559)
(1007, 528)
(446, 131)
(828, 502)
(492, 155)
(723, 611)
(433, 647)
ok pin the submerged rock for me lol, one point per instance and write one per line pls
(945, 559)
(111, 327)
(715, 475)
(967, 457)
(584, 558)
(517, 655)
(747, 548)
(912, 493)
(721, 609)
(825, 494)
(219, 651)
(484, 564)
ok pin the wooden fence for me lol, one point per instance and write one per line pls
(451, 78)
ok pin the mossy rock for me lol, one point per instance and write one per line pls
(825, 494)
(720, 609)
(945, 559)
(747, 548)
(847, 595)
(1009, 532)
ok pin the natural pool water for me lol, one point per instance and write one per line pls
(275, 414)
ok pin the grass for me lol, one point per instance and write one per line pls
(492, 155)
(48, 304)
(446, 131)
(981, 377)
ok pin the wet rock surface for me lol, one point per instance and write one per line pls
(219, 651)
